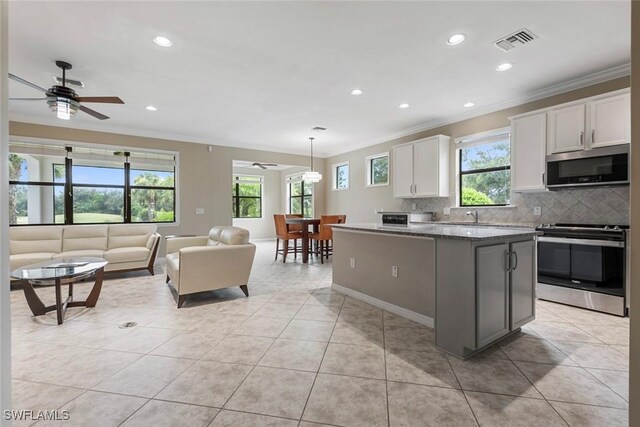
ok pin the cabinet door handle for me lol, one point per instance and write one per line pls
(415, 188)
(581, 138)
(593, 136)
(543, 178)
(507, 261)
(515, 255)
(411, 189)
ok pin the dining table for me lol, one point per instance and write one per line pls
(305, 223)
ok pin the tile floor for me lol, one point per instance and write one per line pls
(296, 353)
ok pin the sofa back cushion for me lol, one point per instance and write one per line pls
(130, 235)
(81, 237)
(26, 240)
(219, 236)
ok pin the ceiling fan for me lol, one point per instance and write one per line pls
(263, 165)
(63, 100)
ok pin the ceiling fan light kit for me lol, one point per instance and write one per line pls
(63, 100)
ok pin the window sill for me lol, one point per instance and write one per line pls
(340, 189)
(485, 207)
(377, 185)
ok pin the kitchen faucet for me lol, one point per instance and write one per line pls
(474, 215)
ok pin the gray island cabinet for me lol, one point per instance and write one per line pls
(474, 284)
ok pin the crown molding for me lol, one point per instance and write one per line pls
(566, 86)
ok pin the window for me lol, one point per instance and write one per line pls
(300, 195)
(378, 169)
(341, 176)
(484, 170)
(82, 185)
(247, 196)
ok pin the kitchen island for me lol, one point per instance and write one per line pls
(474, 283)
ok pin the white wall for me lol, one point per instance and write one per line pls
(262, 228)
(5, 306)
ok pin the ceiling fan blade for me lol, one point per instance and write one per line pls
(261, 166)
(93, 113)
(269, 164)
(27, 99)
(101, 99)
(24, 82)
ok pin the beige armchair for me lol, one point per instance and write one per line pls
(220, 260)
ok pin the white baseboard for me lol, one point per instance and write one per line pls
(402, 312)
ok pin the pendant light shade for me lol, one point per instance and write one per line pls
(312, 176)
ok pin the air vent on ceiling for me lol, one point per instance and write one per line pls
(68, 82)
(516, 39)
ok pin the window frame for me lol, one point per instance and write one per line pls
(369, 169)
(475, 140)
(235, 197)
(295, 178)
(68, 184)
(334, 174)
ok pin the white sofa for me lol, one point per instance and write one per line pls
(220, 260)
(126, 247)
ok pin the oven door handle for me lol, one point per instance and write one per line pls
(585, 242)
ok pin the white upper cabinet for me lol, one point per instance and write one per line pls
(528, 143)
(566, 129)
(421, 168)
(610, 121)
(403, 171)
(596, 122)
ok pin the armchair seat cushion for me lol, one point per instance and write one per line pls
(20, 260)
(137, 253)
(80, 253)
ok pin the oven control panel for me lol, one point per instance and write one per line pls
(401, 219)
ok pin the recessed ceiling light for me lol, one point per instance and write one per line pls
(162, 41)
(455, 39)
(469, 104)
(150, 108)
(357, 92)
(403, 106)
(504, 67)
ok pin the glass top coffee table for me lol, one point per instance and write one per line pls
(59, 272)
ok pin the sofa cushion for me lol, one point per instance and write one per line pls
(39, 239)
(234, 236)
(214, 236)
(92, 253)
(130, 235)
(82, 237)
(20, 260)
(118, 255)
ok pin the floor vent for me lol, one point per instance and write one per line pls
(520, 37)
(128, 325)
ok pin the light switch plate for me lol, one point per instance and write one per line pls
(199, 211)
(537, 211)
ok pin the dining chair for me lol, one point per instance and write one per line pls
(285, 233)
(324, 236)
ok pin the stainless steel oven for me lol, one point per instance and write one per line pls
(585, 168)
(584, 266)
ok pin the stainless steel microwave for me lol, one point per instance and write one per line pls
(600, 166)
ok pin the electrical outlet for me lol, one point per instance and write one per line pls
(199, 211)
(394, 271)
(537, 211)
(413, 206)
(352, 262)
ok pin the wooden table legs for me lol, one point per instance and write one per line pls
(38, 308)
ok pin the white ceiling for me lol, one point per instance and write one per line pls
(262, 74)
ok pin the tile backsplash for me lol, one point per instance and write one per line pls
(601, 205)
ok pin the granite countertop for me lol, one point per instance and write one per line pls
(447, 231)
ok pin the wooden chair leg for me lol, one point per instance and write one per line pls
(245, 289)
(295, 248)
(326, 248)
(321, 251)
(167, 281)
(181, 300)
(277, 247)
(286, 250)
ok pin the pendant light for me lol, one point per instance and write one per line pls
(312, 176)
